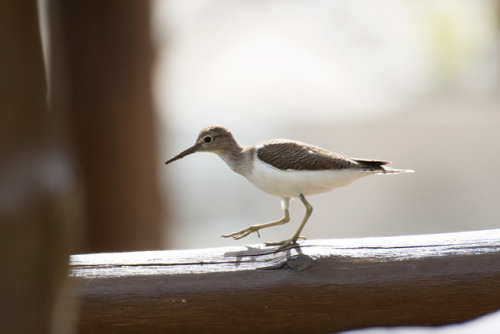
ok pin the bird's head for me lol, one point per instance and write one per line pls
(214, 138)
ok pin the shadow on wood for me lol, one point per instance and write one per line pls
(323, 286)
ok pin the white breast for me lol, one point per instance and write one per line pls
(292, 183)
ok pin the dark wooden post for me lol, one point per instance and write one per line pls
(102, 57)
(36, 182)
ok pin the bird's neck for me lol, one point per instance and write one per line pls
(236, 157)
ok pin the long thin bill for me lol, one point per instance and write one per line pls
(189, 151)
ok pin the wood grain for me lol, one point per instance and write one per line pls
(323, 286)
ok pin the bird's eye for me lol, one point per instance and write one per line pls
(207, 139)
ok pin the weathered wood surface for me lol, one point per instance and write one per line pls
(324, 286)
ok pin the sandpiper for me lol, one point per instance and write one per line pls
(285, 168)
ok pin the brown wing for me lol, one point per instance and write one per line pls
(298, 156)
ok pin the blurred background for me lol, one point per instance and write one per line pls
(96, 95)
(414, 82)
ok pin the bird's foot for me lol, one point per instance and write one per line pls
(243, 233)
(284, 243)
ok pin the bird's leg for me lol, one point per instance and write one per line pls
(285, 243)
(285, 202)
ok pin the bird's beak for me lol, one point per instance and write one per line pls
(191, 150)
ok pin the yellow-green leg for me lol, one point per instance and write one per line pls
(285, 243)
(285, 202)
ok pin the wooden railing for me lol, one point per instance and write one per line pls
(323, 286)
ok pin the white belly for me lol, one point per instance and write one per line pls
(292, 183)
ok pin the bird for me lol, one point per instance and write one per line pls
(285, 168)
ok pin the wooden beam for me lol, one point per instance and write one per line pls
(322, 286)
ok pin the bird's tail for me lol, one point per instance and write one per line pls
(388, 170)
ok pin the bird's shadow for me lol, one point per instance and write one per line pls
(290, 257)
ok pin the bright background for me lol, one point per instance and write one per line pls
(415, 82)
